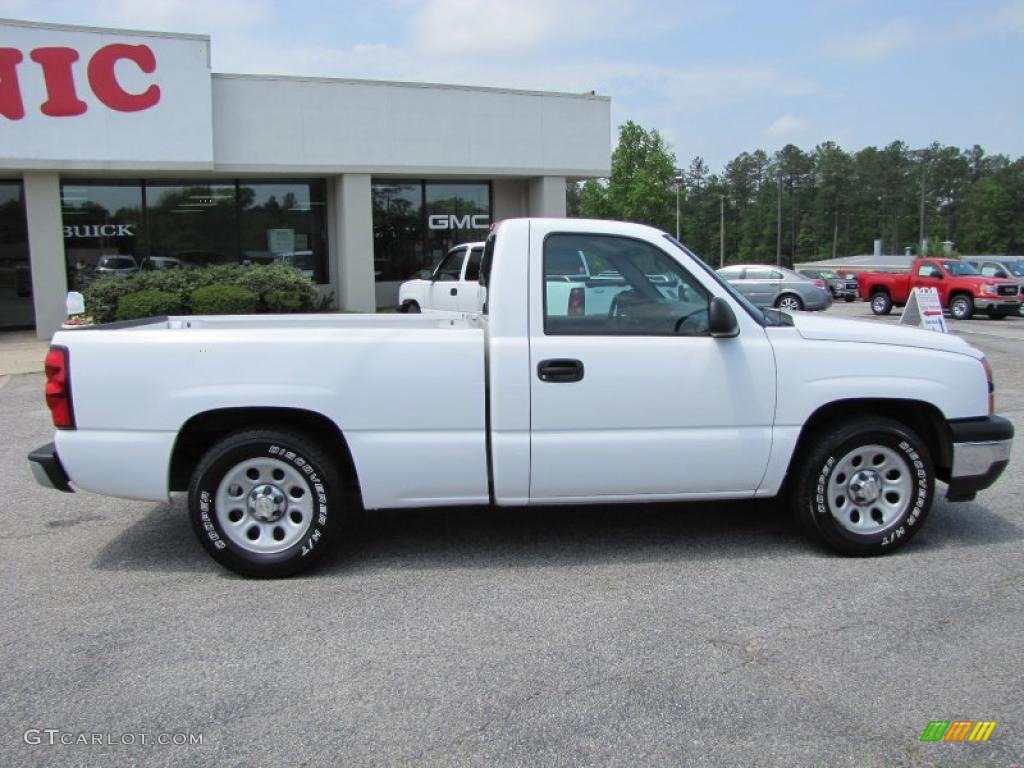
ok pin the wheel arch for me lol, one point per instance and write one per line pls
(922, 417)
(196, 435)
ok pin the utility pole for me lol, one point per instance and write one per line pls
(778, 228)
(678, 180)
(835, 231)
(721, 232)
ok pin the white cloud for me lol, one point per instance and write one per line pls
(201, 16)
(787, 126)
(876, 44)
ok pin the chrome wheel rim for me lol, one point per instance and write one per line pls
(264, 505)
(870, 489)
(959, 308)
(878, 304)
(789, 303)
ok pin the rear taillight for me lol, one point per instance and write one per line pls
(577, 302)
(991, 386)
(820, 283)
(58, 388)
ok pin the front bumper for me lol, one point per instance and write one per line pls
(1006, 304)
(981, 451)
(47, 469)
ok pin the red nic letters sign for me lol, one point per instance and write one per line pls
(62, 99)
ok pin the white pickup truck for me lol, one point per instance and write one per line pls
(278, 426)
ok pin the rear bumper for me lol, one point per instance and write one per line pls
(47, 469)
(981, 451)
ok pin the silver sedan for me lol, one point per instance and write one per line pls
(777, 287)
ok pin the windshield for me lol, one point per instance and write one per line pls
(960, 268)
(1016, 268)
(115, 262)
(744, 302)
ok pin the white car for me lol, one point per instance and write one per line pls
(697, 396)
(451, 287)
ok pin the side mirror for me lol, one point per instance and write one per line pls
(1000, 273)
(722, 320)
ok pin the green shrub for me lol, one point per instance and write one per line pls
(223, 299)
(285, 301)
(147, 304)
(102, 296)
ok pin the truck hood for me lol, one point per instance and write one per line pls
(819, 328)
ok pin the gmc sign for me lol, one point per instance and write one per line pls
(62, 98)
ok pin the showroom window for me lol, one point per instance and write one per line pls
(103, 229)
(415, 223)
(119, 227)
(16, 309)
(285, 221)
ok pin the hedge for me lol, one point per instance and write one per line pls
(147, 304)
(277, 287)
(222, 299)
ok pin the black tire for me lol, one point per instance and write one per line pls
(850, 298)
(881, 303)
(996, 315)
(961, 307)
(411, 307)
(905, 497)
(312, 512)
(789, 297)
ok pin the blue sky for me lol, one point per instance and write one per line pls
(716, 78)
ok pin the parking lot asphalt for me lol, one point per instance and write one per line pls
(709, 634)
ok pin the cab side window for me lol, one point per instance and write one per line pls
(473, 265)
(639, 291)
(928, 270)
(451, 267)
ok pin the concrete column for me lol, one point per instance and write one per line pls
(46, 250)
(352, 253)
(547, 196)
(508, 199)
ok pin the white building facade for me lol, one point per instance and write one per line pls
(121, 150)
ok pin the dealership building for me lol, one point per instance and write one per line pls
(122, 151)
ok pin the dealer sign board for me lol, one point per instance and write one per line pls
(93, 98)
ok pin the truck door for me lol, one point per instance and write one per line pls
(469, 287)
(444, 291)
(639, 401)
(930, 276)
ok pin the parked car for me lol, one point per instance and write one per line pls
(962, 289)
(156, 263)
(777, 287)
(1009, 269)
(701, 397)
(118, 266)
(451, 287)
(838, 286)
(304, 261)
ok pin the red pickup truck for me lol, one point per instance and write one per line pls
(962, 289)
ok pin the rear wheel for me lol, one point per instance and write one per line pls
(961, 307)
(997, 315)
(864, 487)
(265, 502)
(789, 303)
(881, 303)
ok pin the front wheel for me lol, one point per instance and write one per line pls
(789, 303)
(850, 298)
(864, 487)
(881, 303)
(266, 503)
(411, 307)
(961, 307)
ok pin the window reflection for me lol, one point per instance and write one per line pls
(16, 310)
(285, 222)
(103, 229)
